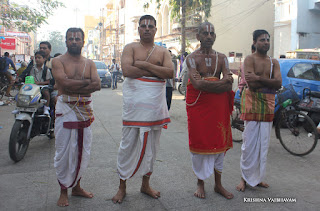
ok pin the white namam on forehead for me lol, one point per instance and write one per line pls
(209, 28)
(147, 22)
(75, 35)
(265, 36)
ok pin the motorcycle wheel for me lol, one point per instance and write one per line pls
(18, 143)
(181, 89)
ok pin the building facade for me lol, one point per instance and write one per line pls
(296, 25)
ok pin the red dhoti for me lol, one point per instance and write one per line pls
(209, 120)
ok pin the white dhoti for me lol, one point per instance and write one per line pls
(73, 139)
(205, 165)
(254, 151)
(145, 112)
(137, 151)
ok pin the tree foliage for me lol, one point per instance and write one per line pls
(27, 17)
(192, 6)
(185, 9)
(57, 41)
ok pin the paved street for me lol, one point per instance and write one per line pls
(31, 184)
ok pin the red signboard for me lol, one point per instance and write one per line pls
(8, 43)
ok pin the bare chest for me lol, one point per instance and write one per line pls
(262, 67)
(154, 56)
(77, 70)
(208, 65)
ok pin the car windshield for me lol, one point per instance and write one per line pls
(100, 65)
(317, 73)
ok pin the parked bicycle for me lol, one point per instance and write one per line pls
(294, 128)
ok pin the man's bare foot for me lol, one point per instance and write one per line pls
(241, 186)
(81, 192)
(118, 198)
(63, 199)
(263, 184)
(220, 189)
(149, 191)
(200, 193)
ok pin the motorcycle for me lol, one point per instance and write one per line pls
(181, 89)
(29, 120)
(120, 77)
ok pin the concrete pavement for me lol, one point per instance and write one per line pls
(31, 183)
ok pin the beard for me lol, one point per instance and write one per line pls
(74, 50)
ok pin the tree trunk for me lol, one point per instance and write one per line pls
(183, 26)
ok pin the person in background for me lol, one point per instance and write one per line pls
(22, 68)
(282, 56)
(184, 76)
(5, 71)
(115, 70)
(57, 54)
(42, 76)
(169, 88)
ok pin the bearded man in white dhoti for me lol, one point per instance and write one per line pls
(263, 77)
(76, 78)
(145, 111)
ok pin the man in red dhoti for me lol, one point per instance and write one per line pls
(209, 105)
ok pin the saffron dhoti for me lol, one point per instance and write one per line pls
(145, 112)
(209, 128)
(74, 116)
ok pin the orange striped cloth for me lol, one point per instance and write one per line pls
(257, 105)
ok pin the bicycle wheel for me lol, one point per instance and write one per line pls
(237, 125)
(294, 137)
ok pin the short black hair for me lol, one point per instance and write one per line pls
(73, 29)
(148, 17)
(46, 43)
(259, 32)
(57, 54)
(41, 53)
(6, 54)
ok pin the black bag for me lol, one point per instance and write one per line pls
(3, 62)
(310, 101)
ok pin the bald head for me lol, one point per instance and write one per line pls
(205, 26)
